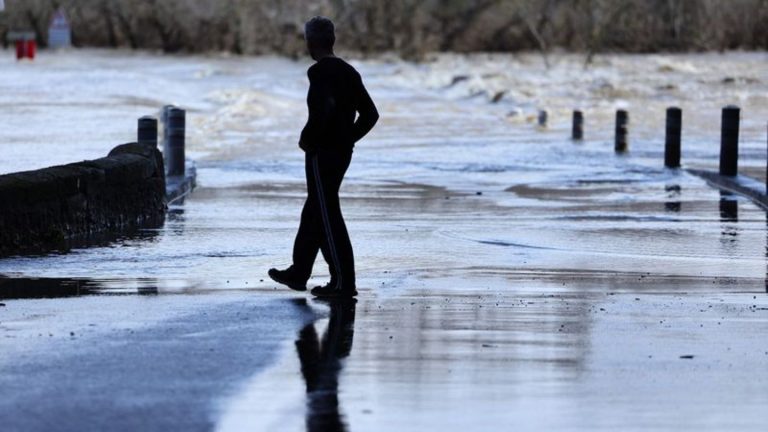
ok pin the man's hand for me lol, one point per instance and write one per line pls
(306, 147)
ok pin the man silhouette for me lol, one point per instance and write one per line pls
(336, 95)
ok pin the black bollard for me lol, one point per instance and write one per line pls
(674, 135)
(174, 147)
(164, 121)
(622, 131)
(147, 133)
(729, 141)
(543, 118)
(577, 132)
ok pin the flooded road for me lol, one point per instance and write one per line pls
(508, 276)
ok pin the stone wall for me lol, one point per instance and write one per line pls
(52, 208)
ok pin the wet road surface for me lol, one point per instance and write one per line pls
(509, 279)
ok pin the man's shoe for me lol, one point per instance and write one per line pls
(287, 278)
(333, 291)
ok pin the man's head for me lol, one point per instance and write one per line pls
(319, 32)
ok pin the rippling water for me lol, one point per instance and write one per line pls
(546, 202)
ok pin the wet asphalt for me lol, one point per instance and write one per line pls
(151, 377)
(509, 278)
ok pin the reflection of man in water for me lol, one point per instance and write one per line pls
(336, 95)
(321, 365)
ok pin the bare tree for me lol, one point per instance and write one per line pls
(537, 19)
(409, 27)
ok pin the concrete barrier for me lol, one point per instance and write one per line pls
(47, 209)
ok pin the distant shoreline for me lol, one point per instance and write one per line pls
(410, 28)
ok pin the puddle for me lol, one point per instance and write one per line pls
(50, 288)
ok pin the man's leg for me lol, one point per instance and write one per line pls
(307, 242)
(309, 236)
(328, 168)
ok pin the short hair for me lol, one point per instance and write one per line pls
(320, 30)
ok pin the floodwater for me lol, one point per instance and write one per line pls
(509, 278)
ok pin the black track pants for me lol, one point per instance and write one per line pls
(322, 224)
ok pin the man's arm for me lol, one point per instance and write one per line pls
(369, 115)
(321, 104)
